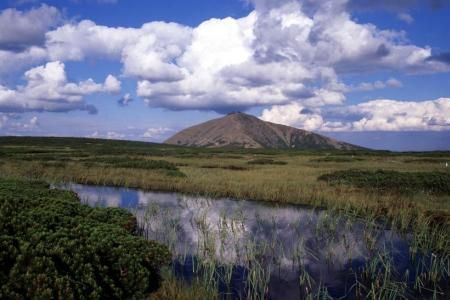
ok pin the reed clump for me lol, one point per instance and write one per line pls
(229, 259)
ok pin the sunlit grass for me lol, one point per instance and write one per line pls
(228, 175)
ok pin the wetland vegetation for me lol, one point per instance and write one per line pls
(243, 249)
(392, 181)
(405, 195)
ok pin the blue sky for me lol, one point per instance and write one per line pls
(374, 73)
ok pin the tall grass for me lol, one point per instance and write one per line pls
(227, 244)
(294, 183)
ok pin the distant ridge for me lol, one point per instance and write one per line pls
(239, 130)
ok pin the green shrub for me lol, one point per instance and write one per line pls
(225, 167)
(337, 159)
(52, 246)
(428, 160)
(392, 181)
(266, 161)
(44, 157)
(147, 164)
(170, 169)
(235, 168)
(131, 163)
(175, 173)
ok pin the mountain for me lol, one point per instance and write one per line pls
(239, 130)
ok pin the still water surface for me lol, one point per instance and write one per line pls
(282, 246)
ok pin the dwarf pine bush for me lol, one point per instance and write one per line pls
(52, 246)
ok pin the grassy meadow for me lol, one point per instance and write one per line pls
(378, 185)
(408, 191)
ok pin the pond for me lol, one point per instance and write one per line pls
(254, 250)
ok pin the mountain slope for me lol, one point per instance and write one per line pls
(240, 130)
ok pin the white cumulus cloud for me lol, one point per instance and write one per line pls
(374, 115)
(377, 85)
(20, 30)
(10, 122)
(405, 17)
(22, 36)
(391, 115)
(112, 135)
(156, 132)
(125, 100)
(282, 52)
(47, 89)
(289, 54)
(295, 115)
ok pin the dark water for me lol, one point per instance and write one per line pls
(285, 245)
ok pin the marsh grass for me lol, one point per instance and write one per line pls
(174, 289)
(54, 164)
(295, 183)
(212, 271)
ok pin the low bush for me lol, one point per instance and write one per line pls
(131, 163)
(43, 156)
(337, 159)
(210, 166)
(52, 246)
(266, 161)
(429, 160)
(392, 181)
(225, 167)
(175, 173)
(146, 164)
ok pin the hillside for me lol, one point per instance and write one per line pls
(239, 130)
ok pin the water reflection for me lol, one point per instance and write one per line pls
(291, 245)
